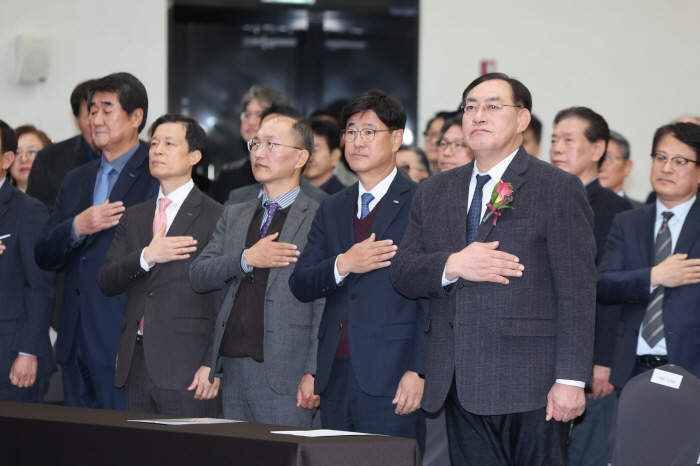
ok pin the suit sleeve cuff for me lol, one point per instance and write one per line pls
(575, 383)
(144, 265)
(27, 354)
(244, 266)
(74, 238)
(338, 278)
(445, 281)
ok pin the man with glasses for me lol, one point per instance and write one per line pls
(371, 344)
(452, 150)
(651, 264)
(432, 134)
(578, 146)
(265, 339)
(512, 290)
(617, 166)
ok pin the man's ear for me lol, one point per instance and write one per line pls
(195, 157)
(302, 159)
(628, 167)
(524, 120)
(137, 117)
(396, 139)
(598, 150)
(7, 159)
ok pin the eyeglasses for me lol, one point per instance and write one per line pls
(408, 167)
(613, 157)
(456, 146)
(250, 116)
(29, 154)
(267, 146)
(676, 162)
(366, 134)
(492, 109)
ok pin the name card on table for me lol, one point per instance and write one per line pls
(666, 378)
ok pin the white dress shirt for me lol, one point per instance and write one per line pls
(378, 192)
(177, 197)
(675, 225)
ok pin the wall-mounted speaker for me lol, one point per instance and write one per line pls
(33, 56)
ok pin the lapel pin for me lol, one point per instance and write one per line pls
(132, 175)
(189, 214)
(395, 201)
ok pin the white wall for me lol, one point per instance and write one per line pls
(90, 39)
(634, 62)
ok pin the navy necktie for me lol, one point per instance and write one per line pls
(474, 214)
(271, 209)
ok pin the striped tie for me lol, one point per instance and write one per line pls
(653, 324)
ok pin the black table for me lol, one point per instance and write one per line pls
(55, 435)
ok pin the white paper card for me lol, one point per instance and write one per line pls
(184, 422)
(318, 433)
(666, 378)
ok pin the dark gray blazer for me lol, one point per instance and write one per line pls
(26, 292)
(291, 327)
(179, 323)
(506, 345)
(252, 191)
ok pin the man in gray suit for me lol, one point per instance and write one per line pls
(266, 340)
(168, 329)
(26, 356)
(510, 331)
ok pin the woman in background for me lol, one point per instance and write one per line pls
(29, 141)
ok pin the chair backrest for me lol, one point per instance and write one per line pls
(658, 424)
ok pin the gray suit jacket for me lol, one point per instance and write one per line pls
(179, 323)
(505, 345)
(291, 327)
(252, 191)
(26, 291)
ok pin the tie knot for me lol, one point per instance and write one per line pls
(271, 207)
(667, 216)
(366, 199)
(481, 180)
(164, 203)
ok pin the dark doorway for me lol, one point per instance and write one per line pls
(317, 56)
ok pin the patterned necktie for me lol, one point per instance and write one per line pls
(653, 323)
(158, 221)
(161, 219)
(474, 214)
(271, 209)
(102, 191)
(366, 199)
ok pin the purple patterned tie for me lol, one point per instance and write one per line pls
(271, 209)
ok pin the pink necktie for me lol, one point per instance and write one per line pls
(158, 221)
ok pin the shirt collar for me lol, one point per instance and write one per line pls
(2, 181)
(497, 170)
(120, 162)
(680, 212)
(382, 187)
(179, 195)
(284, 201)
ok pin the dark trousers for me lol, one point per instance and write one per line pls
(143, 396)
(344, 406)
(86, 383)
(519, 439)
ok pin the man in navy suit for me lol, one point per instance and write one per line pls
(651, 264)
(26, 357)
(80, 231)
(371, 347)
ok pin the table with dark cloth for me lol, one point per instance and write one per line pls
(56, 435)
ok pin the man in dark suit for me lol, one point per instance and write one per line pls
(371, 353)
(80, 232)
(26, 356)
(167, 329)
(579, 144)
(265, 339)
(327, 154)
(510, 337)
(651, 264)
(616, 167)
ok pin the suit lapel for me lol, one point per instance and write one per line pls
(87, 190)
(346, 217)
(5, 194)
(690, 231)
(132, 171)
(645, 235)
(512, 175)
(145, 222)
(296, 216)
(392, 203)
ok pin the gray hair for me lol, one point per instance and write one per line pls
(622, 143)
(265, 94)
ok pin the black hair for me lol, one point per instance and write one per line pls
(282, 109)
(449, 123)
(442, 114)
(328, 130)
(388, 110)
(422, 158)
(8, 138)
(195, 135)
(132, 93)
(536, 127)
(687, 133)
(80, 95)
(596, 130)
(521, 94)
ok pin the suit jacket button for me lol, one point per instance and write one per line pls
(84, 259)
(353, 296)
(65, 251)
(460, 285)
(77, 291)
(149, 294)
(451, 326)
(340, 326)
